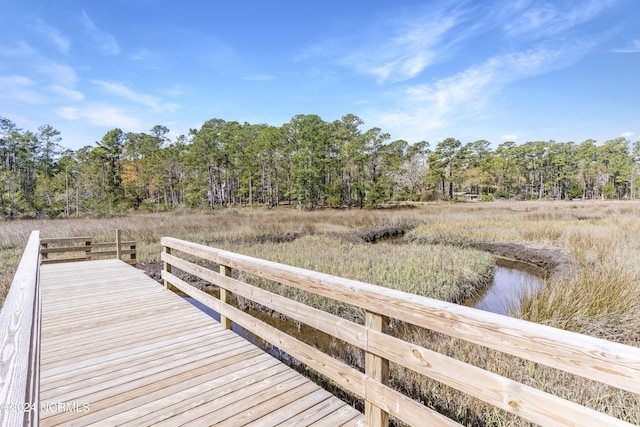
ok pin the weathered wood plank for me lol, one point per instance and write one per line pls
(235, 402)
(133, 360)
(50, 240)
(335, 326)
(272, 403)
(315, 413)
(56, 250)
(20, 340)
(151, 366)
(140, 383)
(347, 377)
(377, 369)
(232, 378)
(301, 405)
(608, 362)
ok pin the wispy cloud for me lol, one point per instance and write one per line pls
(59, 73)
(122, 91)
(405, 55)
(100, 115)
(20, 89)
(106, 42)
(430, 107)
(21, 48)
(539, 19)
(67, 93)
(259, 78)
(53, 35)
(632, 47)
(545, 37)
(407, 47)
(627, 134)
(509, 137)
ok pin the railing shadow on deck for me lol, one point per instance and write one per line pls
(610, 363)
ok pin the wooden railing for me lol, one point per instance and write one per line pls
(72, 249)
(20, 342)
(607, 362)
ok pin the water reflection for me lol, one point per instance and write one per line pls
(511, 281)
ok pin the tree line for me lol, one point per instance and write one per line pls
(307, 162)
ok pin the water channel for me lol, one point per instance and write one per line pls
(511, 281)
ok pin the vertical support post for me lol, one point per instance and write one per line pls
(44, 255)
(87, 250)
(118, 241)
(377, 369)
(167, 266)
(132, 257)
(225, 296)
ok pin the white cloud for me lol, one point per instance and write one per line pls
(106, 42)
(468, 94)
(142, 55)
(60, 74)
(54, 36)
(259, 78)
(627, 134)
(122, 91)
(21, 49)
(20, 89)
(67, 93)
(100, 115)
(548, 19)
(406, 55)
(509, 137)
(632, 47)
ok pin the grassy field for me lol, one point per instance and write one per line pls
(597, 293)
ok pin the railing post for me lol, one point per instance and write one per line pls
(132, 257)
(44, 255)
(118, 240)
(377, 369)
(87, 252)
(224, 296)
(167, 266)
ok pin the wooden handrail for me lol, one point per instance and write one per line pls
(20, 342)
(610, 363)
(87, 249)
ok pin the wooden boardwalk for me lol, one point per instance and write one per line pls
(119, 349)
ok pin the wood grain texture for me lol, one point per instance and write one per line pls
(138, 354)
(85, 249)
(19, 342)
(610, 363)
(614, 364)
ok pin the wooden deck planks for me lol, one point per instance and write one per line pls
(135, 353)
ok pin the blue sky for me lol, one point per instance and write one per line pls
(498, 70)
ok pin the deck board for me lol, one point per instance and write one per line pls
(137, 354)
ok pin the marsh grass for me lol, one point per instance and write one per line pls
(601, 297)
(443, 272)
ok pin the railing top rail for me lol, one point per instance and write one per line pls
(18, 319)
(611, 363)
(65, 239)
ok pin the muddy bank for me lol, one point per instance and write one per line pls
(551, 260)
(274, 238)
(373, 234)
